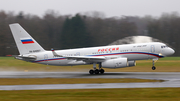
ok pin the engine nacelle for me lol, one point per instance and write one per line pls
(117, 63)
(131, 63)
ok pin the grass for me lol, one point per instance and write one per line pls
(126, 94)
(168, 64)
(30, 81)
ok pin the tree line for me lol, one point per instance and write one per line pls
(86, 30)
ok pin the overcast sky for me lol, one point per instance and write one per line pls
(110, 8)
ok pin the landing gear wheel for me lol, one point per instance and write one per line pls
(91, 71)
(96, 71)
(153, 68)
(101, 71)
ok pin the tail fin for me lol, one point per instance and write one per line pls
(25, 43)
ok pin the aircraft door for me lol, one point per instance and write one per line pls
(46, 59)
(152, 49)
(78, 54)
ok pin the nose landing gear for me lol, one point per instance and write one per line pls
(153, 67)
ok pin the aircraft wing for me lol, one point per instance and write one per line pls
(85, 57)
(81, 58)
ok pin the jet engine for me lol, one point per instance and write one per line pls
(131, 63)
(117, 63)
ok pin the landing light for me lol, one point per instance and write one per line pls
(160, 54)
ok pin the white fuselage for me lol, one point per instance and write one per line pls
(153, 50)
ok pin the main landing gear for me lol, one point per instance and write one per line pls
(153, 67)
(96, 71)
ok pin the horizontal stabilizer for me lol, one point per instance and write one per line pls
(29, 59)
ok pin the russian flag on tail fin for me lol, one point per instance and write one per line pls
(27, 41)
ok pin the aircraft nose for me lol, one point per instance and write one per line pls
(170, 51)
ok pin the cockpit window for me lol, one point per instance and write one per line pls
(164, 46)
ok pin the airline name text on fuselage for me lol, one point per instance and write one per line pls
(108, 49)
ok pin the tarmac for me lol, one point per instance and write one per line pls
(172, 79)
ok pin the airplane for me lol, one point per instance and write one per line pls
(115, 56)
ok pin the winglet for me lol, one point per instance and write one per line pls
(55, 54)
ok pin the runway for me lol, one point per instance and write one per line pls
(141, 75)
(172, 80)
